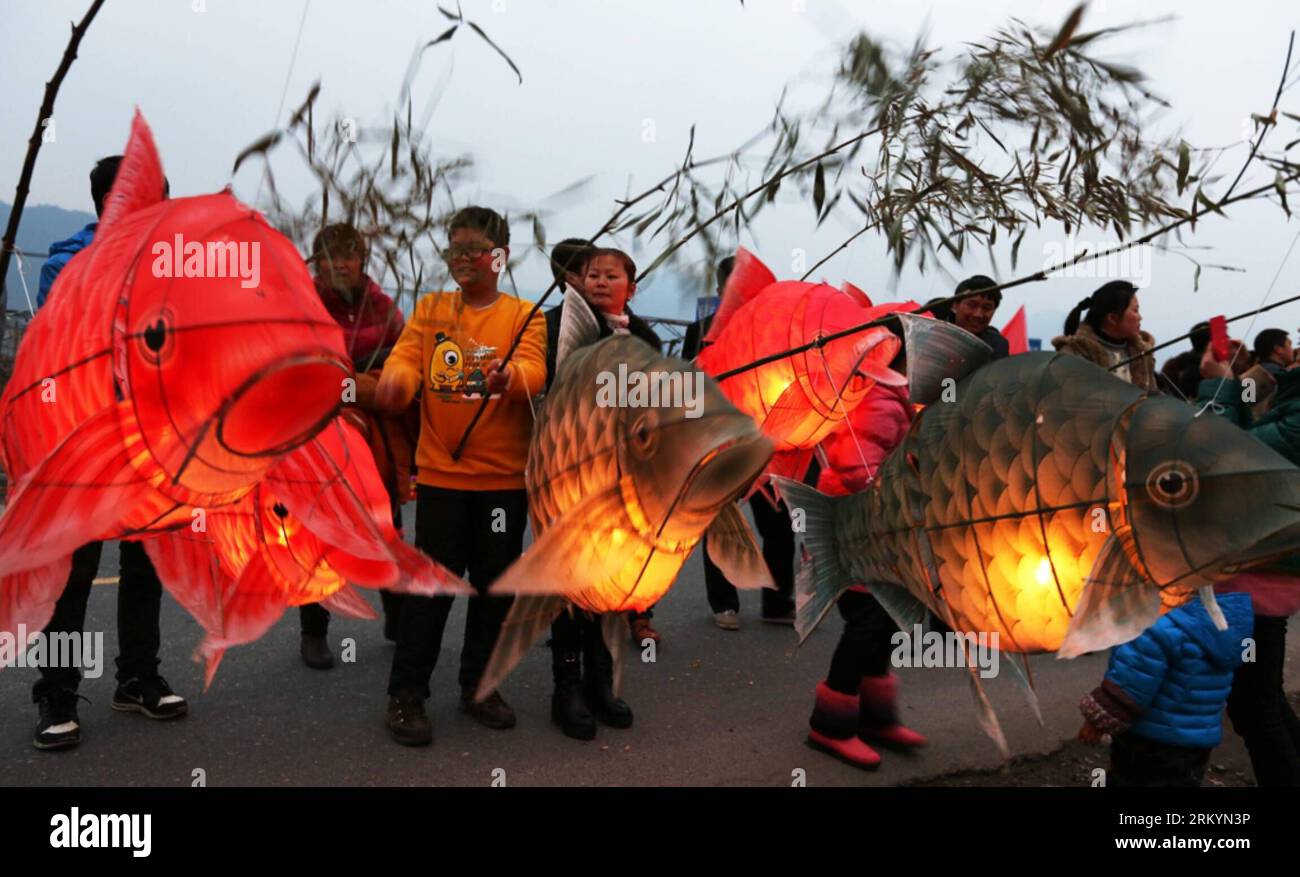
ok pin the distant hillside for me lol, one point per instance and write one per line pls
(41, 225)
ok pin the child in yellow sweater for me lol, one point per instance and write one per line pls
(470, 512)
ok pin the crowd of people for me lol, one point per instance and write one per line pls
(420, 382)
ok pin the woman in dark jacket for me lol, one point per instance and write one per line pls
(582, 665)
(1111, 334)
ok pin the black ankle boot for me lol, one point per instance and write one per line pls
(568, 709)
(598, 684)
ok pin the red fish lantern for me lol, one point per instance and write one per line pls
(180, 357)
(797, 400)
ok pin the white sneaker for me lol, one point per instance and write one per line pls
(727, 619)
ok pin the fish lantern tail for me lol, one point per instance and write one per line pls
(27, 600)
(348, 601)
(818, 592)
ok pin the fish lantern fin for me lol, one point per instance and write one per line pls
(988, 719)
(938, 351)
(256, 602)
(421, 575)
(77, 494)
(790, 464)
(1212, 607)
(209, 655)
(561, 561)
(332, 486)
(1118, 603)
(1023, 678)
(188, 566)
(349, 601)
(829, 579)
(748, 278)
(578, 326)
(616, 631)
(139, 182)
(530, 616)
(28, 598)
(906, 610)
(362, 570)
(856, 294)
(733, 549)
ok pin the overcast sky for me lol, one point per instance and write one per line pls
(210, 74)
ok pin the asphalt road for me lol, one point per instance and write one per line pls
(715, 708)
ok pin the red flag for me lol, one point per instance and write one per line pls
(1219, 338)
(1017, 333)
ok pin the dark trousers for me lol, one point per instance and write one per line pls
(139, 598)
(462, 530)
(578, 641)
(864, 647)
(1138, 762)
(773, 525)
(1259, 710)
(315, 618)
(571, 629)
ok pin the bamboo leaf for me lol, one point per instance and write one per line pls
(1066, 32)
(256, 148)
(442, 37)
(1184, 164)
(478, 30)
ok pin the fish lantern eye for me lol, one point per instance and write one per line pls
(157, 339)
(1172, 485)
(279, 510)
(642, 437)
(450, 358)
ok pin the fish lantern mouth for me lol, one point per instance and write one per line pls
(283, 407)
(726, 471)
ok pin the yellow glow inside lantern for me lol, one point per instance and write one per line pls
(1044, 572)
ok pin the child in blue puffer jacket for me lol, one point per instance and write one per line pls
(1163, 696)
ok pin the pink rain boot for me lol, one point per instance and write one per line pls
(834, 728)
(878, 720)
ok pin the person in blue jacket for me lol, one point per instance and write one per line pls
(1164, 693)
(141, 689)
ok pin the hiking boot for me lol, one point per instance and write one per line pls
(151, 696)
(598, 685)
(493, 712)
(316, 652)
(568, 706)
(59, 726)
(407, 721)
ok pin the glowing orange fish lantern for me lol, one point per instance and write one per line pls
(180, 356)
(619, 494)
(797, 400)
